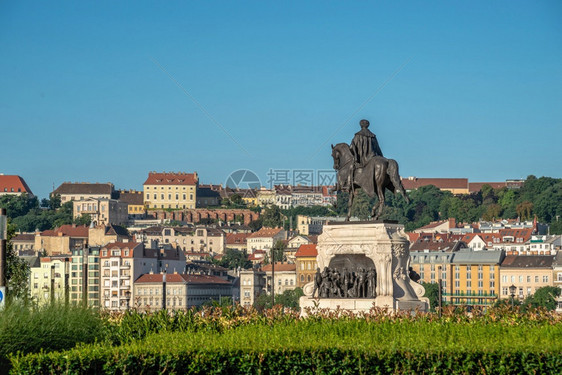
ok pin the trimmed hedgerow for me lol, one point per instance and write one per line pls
(344, 346)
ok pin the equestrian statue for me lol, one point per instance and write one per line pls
(362, 165)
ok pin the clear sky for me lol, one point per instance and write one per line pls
(108, 91)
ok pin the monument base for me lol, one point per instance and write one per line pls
(312, 305)
(352, 248)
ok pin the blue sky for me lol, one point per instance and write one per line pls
(108, 91)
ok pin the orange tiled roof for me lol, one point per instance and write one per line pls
(265, 232)
(171, 178)
(236, 238)
(13, 184)
(308, 250)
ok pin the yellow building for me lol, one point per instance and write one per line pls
(265, 197)
(49, 281)
(305, 260)
(171, 190)
(430, 266)
(475, 278)
(135, 201)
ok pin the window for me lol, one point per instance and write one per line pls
(545, 279)
(536, 279)
(468, 283)
(504, 291)
(492, 284)
(504, 279)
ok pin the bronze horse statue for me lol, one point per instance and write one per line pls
(377, 174)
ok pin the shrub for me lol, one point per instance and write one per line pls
(53, 327)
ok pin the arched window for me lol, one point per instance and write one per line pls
(302, 278)
(308, 278)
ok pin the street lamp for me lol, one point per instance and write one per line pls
(512, 290)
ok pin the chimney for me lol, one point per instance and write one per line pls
(452, 223)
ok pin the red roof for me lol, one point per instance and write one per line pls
(265, 232)
(171, 178)
(308, 250)
(13, 184)
(441, 183)
(69, 230)
(236, 238)
(280, 267)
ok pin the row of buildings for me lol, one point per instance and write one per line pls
(181, 190)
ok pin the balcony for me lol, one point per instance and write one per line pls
(125, 266)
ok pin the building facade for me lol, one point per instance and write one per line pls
(102, 211)
(49, 281)
(252, 284)
(182, 291)
(527, 273)
(171, 190)
(71, 191)
(305, 262)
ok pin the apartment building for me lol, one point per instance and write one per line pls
(171, 190)
(305, 262)
(527, 273)
(265, 238)
(71, 191)
(85, 276)
(284, 278)
(102, 211)
(474, 277)
(62, 240)
(49, 280)
(252, 284)
(187, 238)
(181, 291)
(121, 263)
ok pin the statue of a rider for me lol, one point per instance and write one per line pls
(364, 146)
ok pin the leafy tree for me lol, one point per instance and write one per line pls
(18, 205)
(52, 203)
(272, 217)
(556, 227)
(279, 251)
(548, 204)
(233, 259)
(84, 219)
(289, 298)
(492, 212)
(543, 297)
(256, 225)
(524, 210)
(432, 292)
(17, 272)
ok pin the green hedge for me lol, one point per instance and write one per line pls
(354, 346)
(286, 361)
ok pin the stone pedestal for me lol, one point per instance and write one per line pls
(354, 245)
